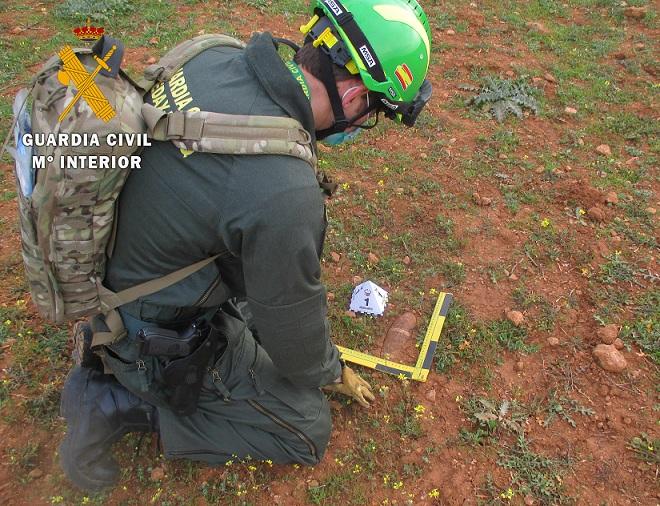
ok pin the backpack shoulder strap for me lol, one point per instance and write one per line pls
(181, 54)
(213, 132)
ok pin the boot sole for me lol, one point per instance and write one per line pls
(68, 409)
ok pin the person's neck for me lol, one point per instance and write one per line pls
(319, 101)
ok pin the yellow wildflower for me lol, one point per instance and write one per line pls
(420, 408)
(381, 183)
(397, 485)
(433, 291)
(545, 223)
(508, 495)
(434, 493)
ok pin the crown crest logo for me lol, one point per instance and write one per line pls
(88, 33)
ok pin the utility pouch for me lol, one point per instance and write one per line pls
(165, 343)
(184, 376)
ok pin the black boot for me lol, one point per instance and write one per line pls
(82, 347)
(98, 412)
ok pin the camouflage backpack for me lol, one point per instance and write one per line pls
(67, 220)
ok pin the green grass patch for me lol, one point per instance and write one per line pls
(535, 474)
(467, 342)
(646, 448)
(564, 408)
(330, 490)
(644, 329)
(616, 269)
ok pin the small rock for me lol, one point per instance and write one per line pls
(406, 260)
(620, 55)
(330, 296)
(537, 27)
(618, 344)
(553, 341)
(604, 390)
(604, 149)
(350, 314)
(35, 473)
(608, 333)
(151, 60)
(450, 32)
(336, 257)
(519, 366)
(357, 280)
(639, 45)
(372, 258)
(627, 420)
(17, 29)
(481, 201)
(536, 81)
(515, 317)
(596, 214)
(509, 73)
(570, 110)
(635, 12)
(611, 198)
(609, 358)
(430, 396)
(312, 484)
(513, 277)
(650, 210)
(529, 500)
(153, 40)
(157, 473)
(550, 78)
(399, 190)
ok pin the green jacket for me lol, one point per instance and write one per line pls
(264, 213)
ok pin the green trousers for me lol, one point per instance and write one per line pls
(246, 409)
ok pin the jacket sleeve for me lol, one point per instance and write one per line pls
(280, 246)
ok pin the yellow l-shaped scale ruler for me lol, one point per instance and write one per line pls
(420, 370)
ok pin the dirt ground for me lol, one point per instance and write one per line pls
(532, 215)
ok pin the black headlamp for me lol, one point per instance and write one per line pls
(407, 112)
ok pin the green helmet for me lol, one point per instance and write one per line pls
(388, 43)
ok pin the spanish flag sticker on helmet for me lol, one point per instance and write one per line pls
(404, 75)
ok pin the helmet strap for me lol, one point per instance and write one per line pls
(330, 83)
